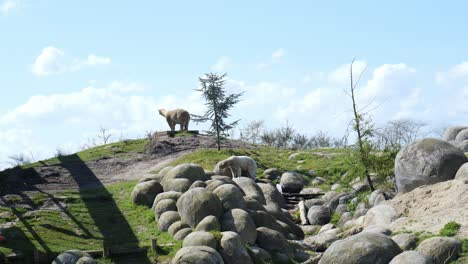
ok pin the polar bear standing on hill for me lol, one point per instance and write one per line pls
(176, 116)
(237, 166)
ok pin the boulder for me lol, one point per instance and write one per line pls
(361, 248)
(250, 188)
(440, 249)
(200, 238)
(272, 241)
(176, 226)
(253, 204)
(376, 198)
(197, 255)
(291, 182)
(378, 229)
(259, 255)
(461, 145)
(87, 260)
(164, 206)
(312, 190)
(230, 196)
(360, 187)
(272, 195)
(176, 185)
(412, 257)
(310, 229)
(318, 180)
(426, 162)
(166, 195)
(462, 135)
(70, 256)
(452, 132)
(326, 228)
(312, 202)
(333, 202)
(405, 241)
(165, 170)
(209, 173)
(233, 250)
(320, 242)
(286, 221)
(319, 215)
(341, 209)
(345, 218)
(192, 172)
(213, 184)
(166, 219)
(151, 176)
(381, 215)
(196, 204)
(335, 186)
(182, 234)
(462, 172)
(265, 219)
(209, 223)
(225, 179)
(239, 221)
(271, 174)
(196, 184)
(145, 192)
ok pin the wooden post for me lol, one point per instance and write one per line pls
(154, 244)
(302, 212)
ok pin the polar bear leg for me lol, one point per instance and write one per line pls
(252, 172)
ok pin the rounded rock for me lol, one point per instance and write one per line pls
(230, 196)
(440, 249)
(196, 204)
(197, 255)
(233, 250)
(291, 182)
(412, 257)
(200, 238)
(166, 219)
(239, 221)
(319, 215)
(145, 192)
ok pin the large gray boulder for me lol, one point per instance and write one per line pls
(361, 248)
(164, 206)
(405, 241)
(291, 182)
(239, 221)
(73, 257)
(462, 135)
(272, 241)
(452, 132)
(192, 172)
(412, 257)
(145, 192)
(250, 188)
(200, 238)
(209, 223)
(271, 174)
(425, 162)
(176, 227)
(166, 219)
(319, 215)
(233, 250)
(320, 242)
(165, 170)
(380, 215)
(272, 195)
(259, 255)
(177, 185)
(461, 145)
(197, 255)
(230, 196)
(166, 195)
(265, 219)
(462, 172)
(196, 204)
(182, 234)
(440, 249)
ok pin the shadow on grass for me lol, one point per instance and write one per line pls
(102, 208)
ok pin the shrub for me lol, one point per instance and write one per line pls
(450, 229)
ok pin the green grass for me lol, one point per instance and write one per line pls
(450, 229)
(108, 150)
(87, 220)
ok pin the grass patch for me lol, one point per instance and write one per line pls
(335, 218)
(450, 229)
(87, 221)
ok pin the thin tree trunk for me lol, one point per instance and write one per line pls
(357, 121)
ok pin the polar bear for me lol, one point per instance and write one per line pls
(237, 166)
(176, 116)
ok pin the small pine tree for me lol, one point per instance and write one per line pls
(218, 104)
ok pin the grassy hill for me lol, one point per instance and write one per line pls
(52, 222)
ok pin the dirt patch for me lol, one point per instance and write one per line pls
(74, 173)
(429, 208)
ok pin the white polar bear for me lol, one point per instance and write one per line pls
(237, 166)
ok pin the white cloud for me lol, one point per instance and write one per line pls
(279, 53)
(341, 74)
(222, 64)
(457, 72)
(275, 58)
(8, 5)
(52, 60)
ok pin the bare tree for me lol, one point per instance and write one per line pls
(362, 124)
(21, 159)
(252, 132)
(104, 135)
(398, 133)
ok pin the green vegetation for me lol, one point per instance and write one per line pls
(335, 218)
(450, 229)
(84, 223)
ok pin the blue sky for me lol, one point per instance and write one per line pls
(69, 67)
